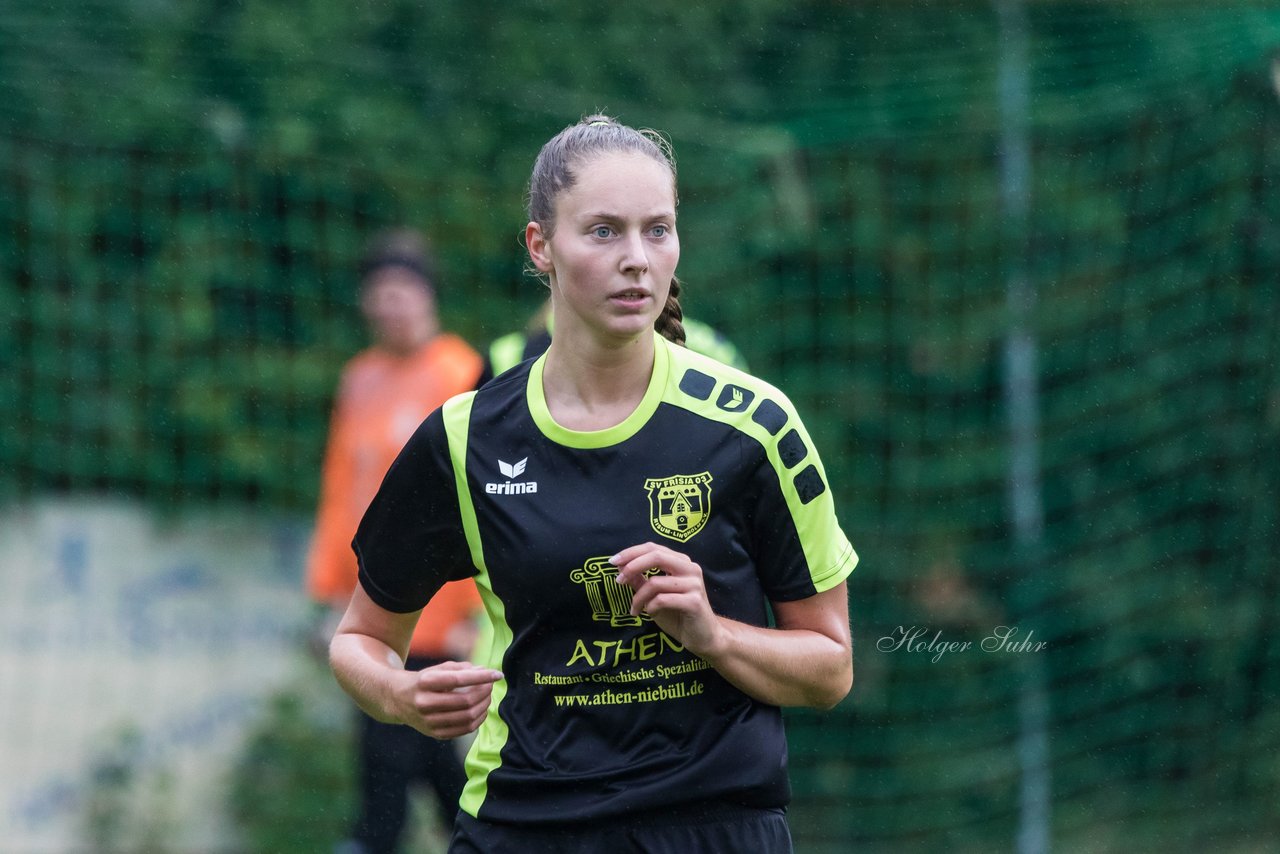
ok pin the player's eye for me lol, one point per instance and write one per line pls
(602, 231)
(659, 230)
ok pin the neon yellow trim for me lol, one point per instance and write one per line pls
(614, 435)
(827, 551)
(505, 353)
(485, 754)
(457, 421)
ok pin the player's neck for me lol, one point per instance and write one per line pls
(589, 386)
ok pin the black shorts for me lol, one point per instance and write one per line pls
(703, 830)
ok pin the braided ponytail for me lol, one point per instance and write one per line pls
(670, 324)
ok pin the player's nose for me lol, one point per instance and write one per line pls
(635, 257)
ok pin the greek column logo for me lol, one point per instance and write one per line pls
(679, 505)
(610, 601)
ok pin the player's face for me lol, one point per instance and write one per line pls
(400, 311)
(614, 249)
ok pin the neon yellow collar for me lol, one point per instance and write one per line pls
(614, 435)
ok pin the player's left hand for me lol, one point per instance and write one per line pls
(675, 596)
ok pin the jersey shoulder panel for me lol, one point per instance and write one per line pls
(724, 393)
(763, 412)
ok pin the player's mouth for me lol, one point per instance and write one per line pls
(630, 297)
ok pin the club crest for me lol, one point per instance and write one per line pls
(679, 505)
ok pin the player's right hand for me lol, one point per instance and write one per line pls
(447, 700)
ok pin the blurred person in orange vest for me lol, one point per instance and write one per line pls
(384, 394)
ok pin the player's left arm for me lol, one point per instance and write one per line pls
(806, 660)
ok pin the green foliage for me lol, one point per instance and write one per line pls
(292, 787)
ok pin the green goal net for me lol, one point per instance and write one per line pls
(1094, 668)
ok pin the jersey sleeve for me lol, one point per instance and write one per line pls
(800, 547)
(411, 541)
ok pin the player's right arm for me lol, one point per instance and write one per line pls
(367, 656)
(409, 543)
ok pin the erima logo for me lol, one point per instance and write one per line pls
(511, 471)
(735, 398)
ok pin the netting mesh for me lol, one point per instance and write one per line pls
(1152, 251)
(182, 317)
(176, 316)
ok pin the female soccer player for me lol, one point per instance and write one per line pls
(633, 515)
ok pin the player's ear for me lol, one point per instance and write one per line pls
(537, 242)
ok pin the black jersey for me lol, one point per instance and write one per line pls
(600, 712)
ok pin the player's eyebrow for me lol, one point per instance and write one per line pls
(662, 213)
